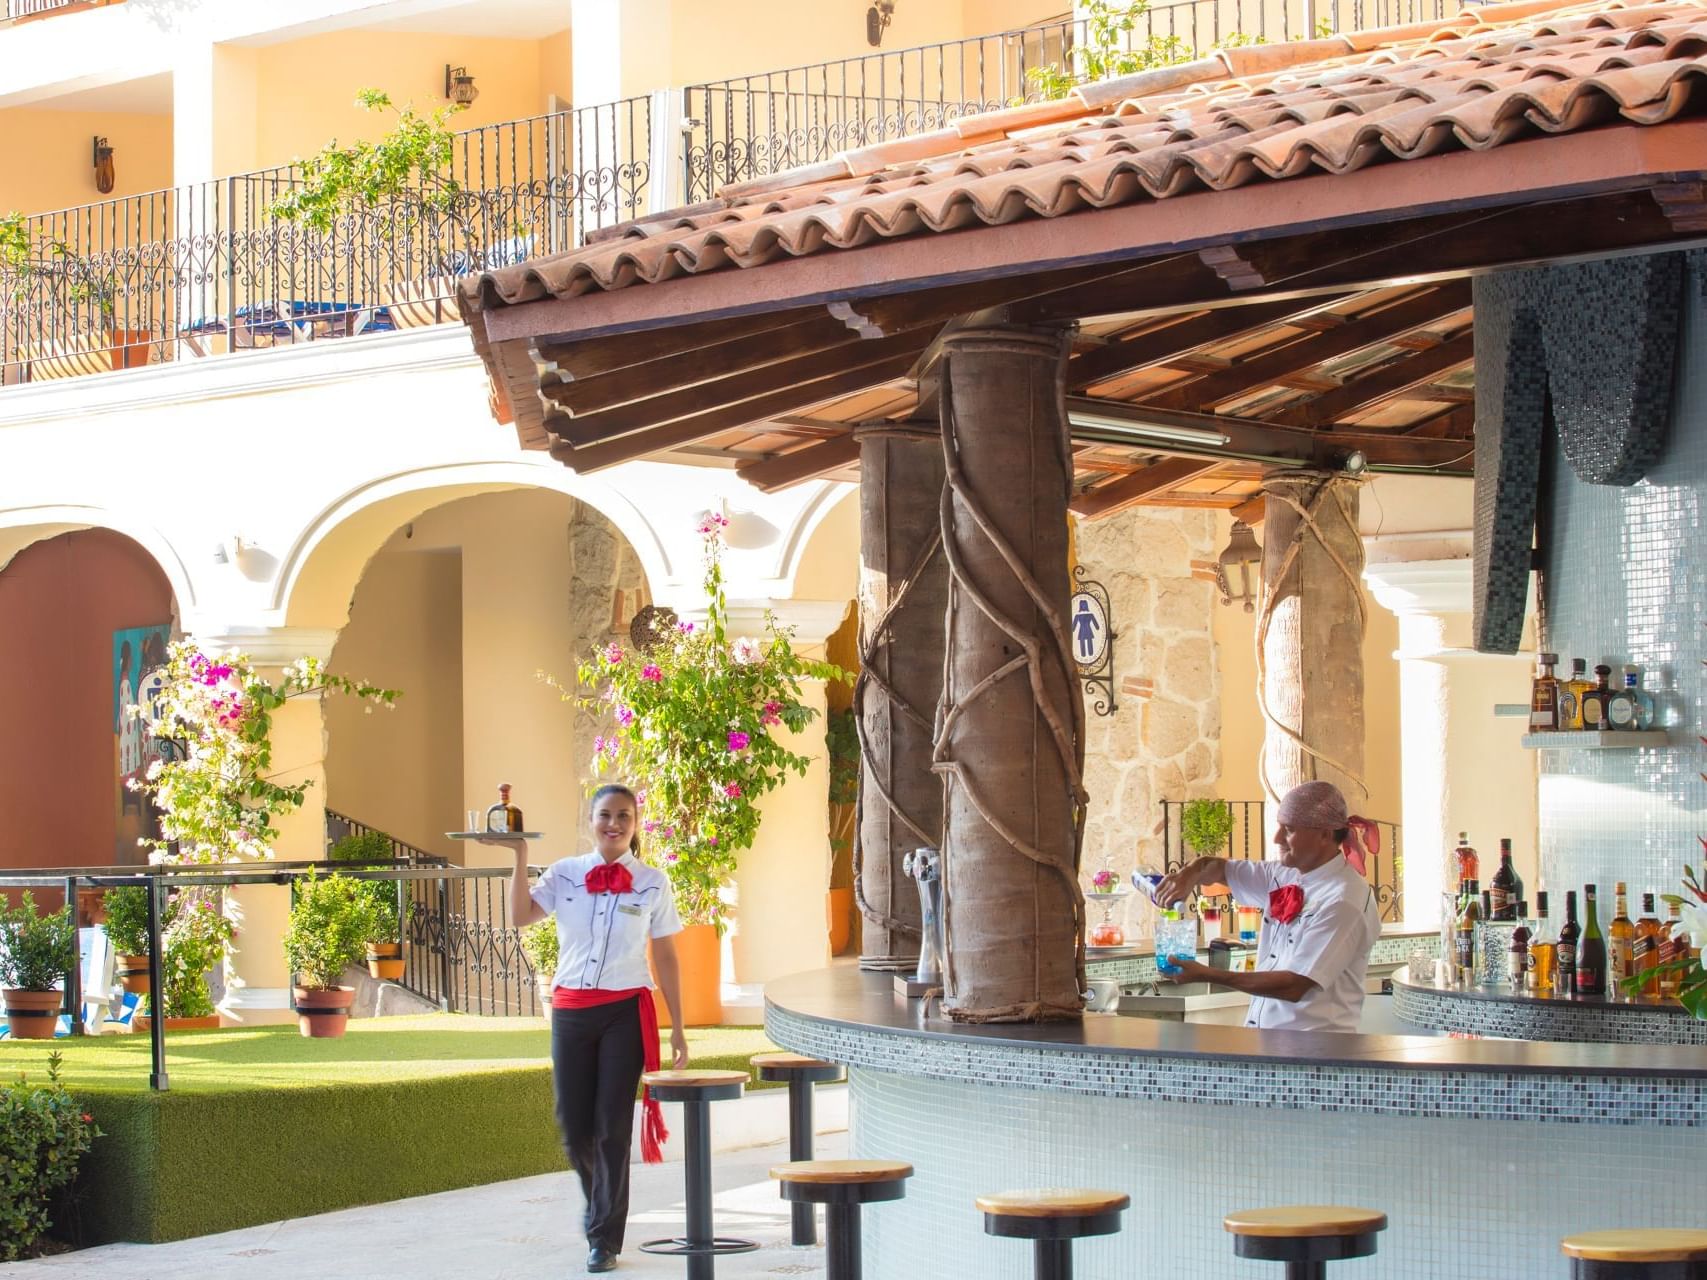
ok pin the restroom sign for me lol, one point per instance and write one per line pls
(1090, 639)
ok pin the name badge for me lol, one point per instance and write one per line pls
(629, 908)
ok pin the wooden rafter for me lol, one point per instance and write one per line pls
(1169, 344)
(801, 464)
(1151, 482)
(1387, 382)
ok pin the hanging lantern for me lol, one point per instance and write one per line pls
(1240, 562)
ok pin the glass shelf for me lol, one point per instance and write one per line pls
(1596, 739)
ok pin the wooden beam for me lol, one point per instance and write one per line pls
(1251, 511)
(592, 356)
(1119, 494)
(1163, 346)
(801, 464)
(1388, 382)
(1457, 424)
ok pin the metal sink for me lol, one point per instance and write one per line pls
(1177, 1001)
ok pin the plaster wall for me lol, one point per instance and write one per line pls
(46, 160)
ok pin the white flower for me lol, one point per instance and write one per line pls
(1694, 918)
(746, 651)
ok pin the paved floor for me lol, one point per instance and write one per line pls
(521, 1230)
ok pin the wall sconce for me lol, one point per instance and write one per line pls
(459, 86)
(1243, 553)
(877, 21)
(103, 166)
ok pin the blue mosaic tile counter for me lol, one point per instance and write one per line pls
(1483, 1011)
(1195, 1121)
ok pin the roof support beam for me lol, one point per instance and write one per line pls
(1151, 482)
(802, 464)
(1160, 346)
(1389, 382)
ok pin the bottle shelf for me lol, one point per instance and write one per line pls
(1596, 739)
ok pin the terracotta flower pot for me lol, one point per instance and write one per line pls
(132, 971)
(143, 1023)
(323, 1012)
(385, 961)
(840, 905)
(699, 955)
(32, 1015)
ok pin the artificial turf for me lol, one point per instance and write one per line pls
(262, 1124)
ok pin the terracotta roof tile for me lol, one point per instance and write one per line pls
(1479, 79)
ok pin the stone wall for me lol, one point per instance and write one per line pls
(606, 589)
(1163, 740)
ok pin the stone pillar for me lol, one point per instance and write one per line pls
(257, 984)
(903, 593)
(1310, 634)
(1011, 738)
(1464, 769)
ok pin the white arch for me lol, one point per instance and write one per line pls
(799, 535)
(33, 524)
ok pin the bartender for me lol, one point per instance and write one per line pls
(1319, 916)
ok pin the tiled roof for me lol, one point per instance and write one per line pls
(1488, 76)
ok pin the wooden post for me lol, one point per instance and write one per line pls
(1011, 740)
(1310, 634)
(903, 595)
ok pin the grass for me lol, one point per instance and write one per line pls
(262, 1124)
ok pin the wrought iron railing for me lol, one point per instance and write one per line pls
(35, 8)
(1247, 841)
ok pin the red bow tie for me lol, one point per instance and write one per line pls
(609, 877)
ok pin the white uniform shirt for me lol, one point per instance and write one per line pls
(1328, 942)
(601, 937)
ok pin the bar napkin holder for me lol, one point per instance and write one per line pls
(924, 866)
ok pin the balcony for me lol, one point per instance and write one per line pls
(24, 10)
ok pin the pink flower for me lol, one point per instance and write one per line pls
(649, 826)
(711, 839)
(770, 714)
(669, 857)
(598, 746)
(732, 790)
(669, 833)
(651, 672)
(686, 628)
(613, 654)
(738, 741)
(625, 716)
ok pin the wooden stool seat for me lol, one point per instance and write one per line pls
(685, 1079)
(1295, 1221)
(789, 1067)
(1052, 1218)
(1641, 1244)
(842, 1187)
(842, 1171)
(1053, 1202)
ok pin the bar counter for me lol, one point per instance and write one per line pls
(1500, 1011)
(1483, 1153)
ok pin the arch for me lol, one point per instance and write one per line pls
(827, 530)
(319, 572)
(21, 527)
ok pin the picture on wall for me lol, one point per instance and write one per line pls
(136, 651)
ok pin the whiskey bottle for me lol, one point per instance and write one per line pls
(1620, 943)
(1645, 951)
(1517, 955)
(1596, 703)
(1565, 978)
(1464, 934)
(1504, 889)
(1543, 950)
(1570, 695)
(1544, 696)
(1591, 951)
(503, 816)
(1464, 858)
(1674, 945)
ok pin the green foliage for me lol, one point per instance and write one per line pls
(330, 924)
(193, 942)
(127, 919)
(691, 730)
(76, 279)
(407, 171)
(539, 942)
(841, 738)
(1107, 51)
(44, 1133)
(1206, 824)
(35, 950)
(371, 847)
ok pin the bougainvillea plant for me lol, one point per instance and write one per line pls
(691, 724)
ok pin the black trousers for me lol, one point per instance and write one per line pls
(596, 1060)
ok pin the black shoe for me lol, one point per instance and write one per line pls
(599, 1259)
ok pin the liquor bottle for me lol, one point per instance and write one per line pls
(1673, 946)
(1622, 709)
(1644, 702)
(1565, 980)
(1505, 887)
(1596, 703)
(1487, 903)
(1464, 935)
(1645, 951)
(1591, 951)
(1517, 955)
(1620, 943)
(503, 816)
(1570, 695)
(1465, 859)
(1543, 950)
(1544, 696)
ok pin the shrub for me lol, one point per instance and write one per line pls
(370, 847)
(43, 1135)
(35, 950)
(539, 943)
(192, 944)
(1206, 824)
(127, 919)
(330, 923)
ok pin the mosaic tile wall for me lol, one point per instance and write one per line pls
(1626, 582)
(1544, 1020)
(1467, 1200)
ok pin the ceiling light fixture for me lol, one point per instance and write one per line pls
(459, 86)
(1149, 431)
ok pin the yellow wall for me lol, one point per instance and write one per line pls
(46, 161)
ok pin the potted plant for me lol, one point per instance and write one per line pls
(330, 923)
(36, 951)
(192, 941)
(841, 739)
(385, 944)
(126, 910)
(1205, 825)
(539, 944)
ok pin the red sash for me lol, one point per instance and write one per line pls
(653, 1135)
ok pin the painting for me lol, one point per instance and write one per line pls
(136, 651)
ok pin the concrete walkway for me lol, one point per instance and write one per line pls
(528, 1229)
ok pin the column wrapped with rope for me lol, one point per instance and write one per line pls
(1309, 634)
(903, 595)
(1011, 742)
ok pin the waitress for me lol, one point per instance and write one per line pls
(604, 1027)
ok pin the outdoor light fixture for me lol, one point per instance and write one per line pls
(103, 166)
(1142, 431)
(1355, 462)
(1243, 553)
(459, 86)
(877, 20)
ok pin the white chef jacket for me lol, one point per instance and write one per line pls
(601, 937)
(1328, 942)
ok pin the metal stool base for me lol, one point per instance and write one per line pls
(1590, 1269)
(1306, 1257)
(681, 1247)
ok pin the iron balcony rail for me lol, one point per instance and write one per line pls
(35, 8)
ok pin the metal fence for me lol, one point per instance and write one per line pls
(35, 8)
(1247, 841)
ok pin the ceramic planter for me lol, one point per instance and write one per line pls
(323, 1012)
(385, 961)
(699, 955)
(132, 971)
(143, 1023)
(32, 1015)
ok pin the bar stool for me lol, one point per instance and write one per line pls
(1306, 1237)
(841, 1186)
(1640, 1254)
(1052, 1219)
(800, 1073)
(696, 1091)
